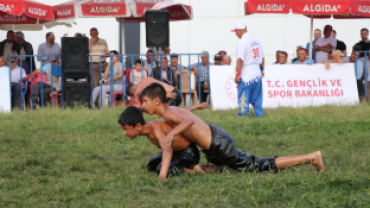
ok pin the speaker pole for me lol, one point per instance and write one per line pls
(156, 60)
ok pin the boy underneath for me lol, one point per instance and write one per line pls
(179, 157)
(217, 144)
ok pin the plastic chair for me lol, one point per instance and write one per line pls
(186, 89)
(56, 70)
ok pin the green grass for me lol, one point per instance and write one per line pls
(79, 158)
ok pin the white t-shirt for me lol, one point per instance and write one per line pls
(322, 56)
(16, 74)
(138, 76)
(249, 50)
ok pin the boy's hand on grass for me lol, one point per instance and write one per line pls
(161, 178)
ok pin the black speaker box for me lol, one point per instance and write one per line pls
(75, 55)
(76, 90)
(157, 28)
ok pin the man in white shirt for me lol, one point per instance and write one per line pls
(17, 75)
(249, 71)
(324, 45)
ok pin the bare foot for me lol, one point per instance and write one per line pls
(196, 169)
(317, 162)
(208, 168)
(203, 105)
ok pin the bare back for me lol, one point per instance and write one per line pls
(145, 83)
(199, 133)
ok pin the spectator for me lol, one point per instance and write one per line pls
(97, 46)
(337, 57)
(161, 52)
(8, 47)
(360, 68)
(165, 74)
(316, 36)
(175, 63)
(227, 60)
(364, 43)
(277, 57)
(117, 73)
(149, 61)
(18, 75)
(302, 57)
(283, 58)
(48, 48)
(324, 45)
(203, 76)
(136, 75)
(222, 53)
(330, 56)
(218, 60)
(340, 44)
(3, 62)
(28, 49)
(46, 87)
(297, 50)
(79, 35)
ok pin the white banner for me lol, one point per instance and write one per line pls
(290, 86)
(4, 90)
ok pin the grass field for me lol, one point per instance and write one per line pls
(79, 158)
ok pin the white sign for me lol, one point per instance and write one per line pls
(4, 90)
(290, 86)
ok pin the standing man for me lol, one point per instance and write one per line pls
(364, 43)
(149, 64)
(163, 51)
(340, 44)
(324, 45)
(97, 46)
(249, 71)
(28, 49)
(8, 46)
(50, 47)
(316, 36)
(203, 73)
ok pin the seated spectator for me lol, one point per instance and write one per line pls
(105, 87)
(283, 58)
(18, 75)
(45, 86)
(324, 45)
(277, 57)
(203, 72)
(3, 62)
(175, 63)
(218, 60)
(79, 35)
(165, 74)
(330, 56)
(303, 59)
(227, 60)
(340, 44)
(360, 68)
(297, 51)
(337, 58)
(149, 63)
(136, 75)
(316, 36)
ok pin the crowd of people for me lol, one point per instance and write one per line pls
(327, 49)
(166, 68)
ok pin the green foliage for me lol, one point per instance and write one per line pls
(79, 158)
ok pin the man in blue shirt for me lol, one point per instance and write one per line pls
(316, 35)
(303, 59)
(203, 73)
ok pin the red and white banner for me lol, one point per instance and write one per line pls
(360, 7)
(320, 7)
(5, 105)
(267, 6)
(27, 7)
(290, 86)
(6, 18)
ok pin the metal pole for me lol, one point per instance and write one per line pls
(311, 51)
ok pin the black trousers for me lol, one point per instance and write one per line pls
(202, 95)
(16, 97)
(360, 88)
(45, 92)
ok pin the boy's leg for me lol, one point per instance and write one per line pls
(243, 99)
(314, 158)
(154, 162)
(197, 107)
(256, 98)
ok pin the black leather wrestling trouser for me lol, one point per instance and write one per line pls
(186, 158)
(177, 101)
(223, 152)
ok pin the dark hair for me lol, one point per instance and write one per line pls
(129, 89)
(94, 28)
(285, 53)
(10, 31)
(174, 55)
(331, 27)
(131, 116)
(303, 49)
(114, 52)
(278, 51)
(149, 51)
(335, 32)
(79, 35)
(222, 51)
(138, 62)
(154, 90)
(365, 29)
(357, 47)
(48, 34)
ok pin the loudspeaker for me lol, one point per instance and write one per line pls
(76, 90)
(157, 28)
(75, 55)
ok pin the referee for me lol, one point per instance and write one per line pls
(249, 71)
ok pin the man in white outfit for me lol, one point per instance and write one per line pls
(249, 71)
(324, 45)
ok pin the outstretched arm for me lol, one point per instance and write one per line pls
(166, 154)
(174, 118)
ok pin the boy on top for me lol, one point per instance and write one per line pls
(217, 144)
(179, 157)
